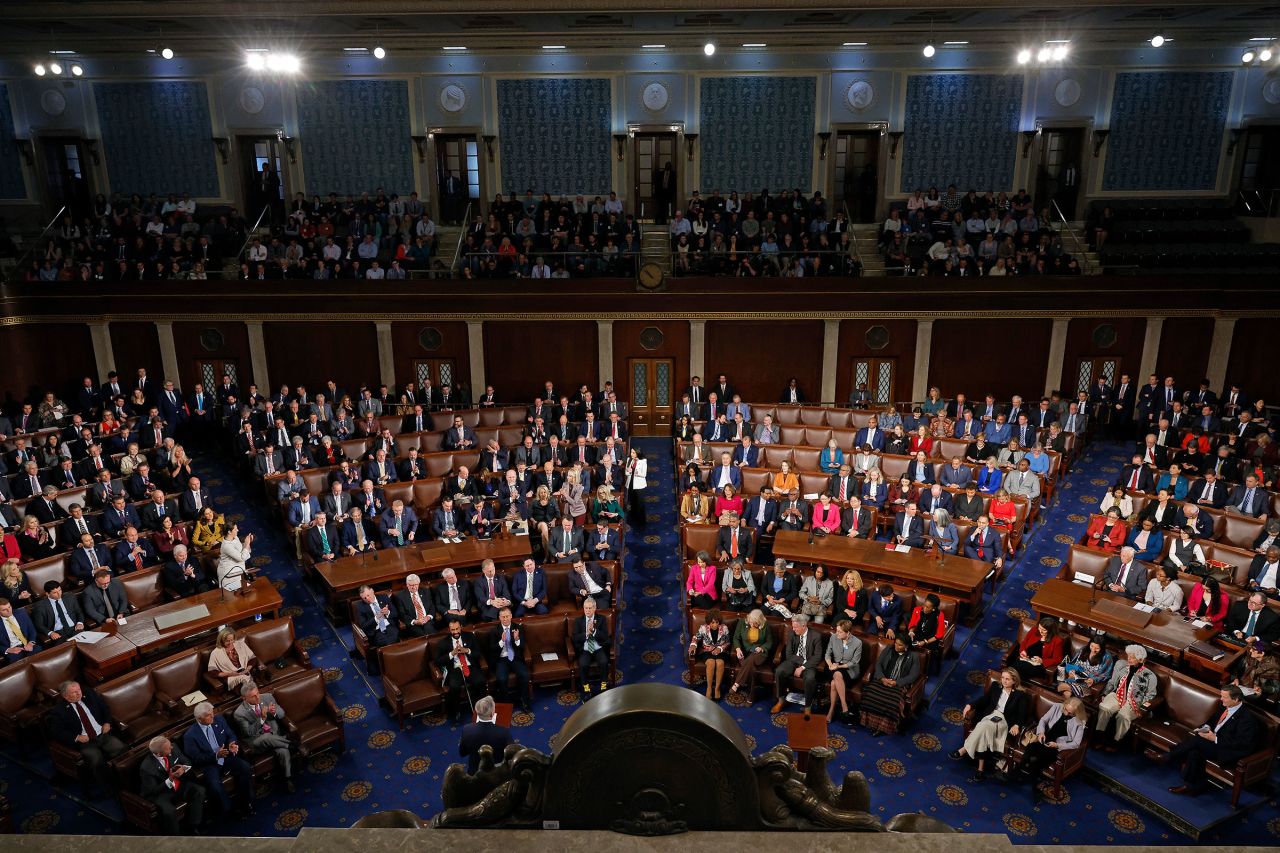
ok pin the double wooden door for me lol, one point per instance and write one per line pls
(652, 395)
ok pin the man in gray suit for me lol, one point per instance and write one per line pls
(767, 432)
(104, 602)
(258, 721)
(369, 404)
(1125, 575)
(336, 504)
(1023, 481)
(802, 657)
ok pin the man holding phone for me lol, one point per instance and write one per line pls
(166, 784)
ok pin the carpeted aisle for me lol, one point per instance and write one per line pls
(385, 768)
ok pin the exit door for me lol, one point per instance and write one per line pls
(458, 171)
(857, 161)
(651, 395)
(66, 175)
(1058, 175)
(261, 176)
(653, 152)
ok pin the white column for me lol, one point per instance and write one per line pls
(1150, 349)
(103, 354)
(830, 350)
(168, 352)
(386, 355)
(1219, 353)
(258, 356)
(1057, 353)
(924, 341)
(604, 338)
(697, 349)
(475, 347)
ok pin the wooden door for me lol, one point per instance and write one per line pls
(652, 152)
(209, 373)
(67, 180)
(261, 188)
(652, 395)
(1059, 170)
(857, 159)
(439, 371)
(1091, 368)
(878, 374)
(457, 157)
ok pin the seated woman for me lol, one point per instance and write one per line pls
(896, 442)
(1146, 540)
(1040, 651)
(1117, 497)
(874, 492)
(934, 404)
(1106, 532)
(208, 530)
(753, 647)
(1088, 670)
(990, 477)
(816, 594)
(1191, 460)
(710, 647)
(738, 588)
(232, 661)
(605, 505)
(826, 515)
(1010, 455)
(928, 625)
(945, 536)
(851, 598)
(14, 586)
(544, 514)
(1003, 512)
(902, 493)
(684, 429)
(700, 586)
(1186, 555)
(1163, 592)
(168, 536)
(785, 479)
(1198, 438)
(1059, 731)
(1039, 460)
(864, 460)
(999, 712)
(968, 505)
(1173, 482)
(695, 507)
(844, 663)
(922, 440)
(884, 697)
(889, 418)
(692, 474)
(831, 458)
(1208, 602)
(730, 501)
(1163, 511)
(34, 541)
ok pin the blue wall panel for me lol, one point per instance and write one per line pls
(356, 136)
(556, 135)
(156, 137)
(961, 129)
(757, 132)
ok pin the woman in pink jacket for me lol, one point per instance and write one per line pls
(701, 585)
(826, 515)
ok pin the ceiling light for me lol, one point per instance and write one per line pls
(1024, 56)
(1044, 54)
(1060, 52)
(854, 44)
(275, 62)
(1157, 40)
(453, 47)
(255, 61)
(73, 53)
(1247, 58)
(754, 44)
(954, 42)
(929, 50)
(653, 46)
(553, 47)
(39, 69)
(709, 48)
(1265, 54)
(379, 52)
(290, 63)
(1255, 38)
(355, 50)
(77, 71)
(55, 68)
(166, 52)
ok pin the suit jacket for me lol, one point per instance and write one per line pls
(336, 507)
(489, 457)
(442, 520)
(175, 578)
(531, 456)
(154, 775)
(372, 508)
(197, 747)
(576, 544)
(82, 566)
(1135, 584)
(480, 590)
(404, 609)
(599, 630)
(914, 531)
(752, 511)
(260, 463)
(441, 593)
(122, 550)
(948, 476)
(151, 516)
(610, 539)
(46, 511)
(28, 628)
(990, 544)
(851, 484)
(347, 533)
(314, 544)
(409, 423)
(597, 573)
(408, 524)
(1267, 627)
(294, 513)
(749, 456)
(1256, 507)
(522, 589)
(92, 606)
(476, 735)
(368, 623)
(42, 617)
(187, 503)
(1203, 524)
(867, 435)
(1146, 483)
(921, 474)
(811, 645)
(862, 524)
(734, 475)
(64, 722)
(381, 477)
(453, 442)
(247, 723)
(1238, 736)
(297, 460)
(1218, 499)
(746, 541)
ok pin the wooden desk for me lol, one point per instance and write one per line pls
(804, 735)
(345, 575)
(110, 656)
(958, 576)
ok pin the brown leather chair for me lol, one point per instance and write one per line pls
(816, 436)
(181, 675)
(19, 702)
(430, 442)
(560, 600)
(55, 568)
(470, 458)
(1240, 530)
(54, 666)
(813, 484)
(311, 716)
(513, 415)
(755, 479)
(699, 537)
(144, 588)
(132, 700)
(492, 417)
(893, 466)
(510, 435)
(806, 459)
(355, 449)
(1068, 762)
(405, 678)
(813, 416)
(426, 495)
(782, 415)
(406, 442)
(792, 434)
(438, 464)
(1087, 561)
(841, 418)
(544, 635)
(773, 455)
(274, 644)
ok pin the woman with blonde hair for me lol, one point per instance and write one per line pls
(753, 647)
(544, 512)
(572, 492)
(232, 661)
(34, 541)
(606, 506)
(13, 584)
(1001, 711)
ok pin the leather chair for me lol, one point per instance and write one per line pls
(180, 675)
(514, 415)
(813, 416)
(840, 418)
(406, 442)
(510, 435)
(430, 442)
(426, 496)
(816, 437)
(470, 458)
(544, 635)
(132, 700)
(317, 481)
(144, 588)
(1240, 530)
(492, 417)
(782, 415)
(405, 680)
(311, 716)
(19, 709)
(355, 449)
(773, 455)
(893, 466)
(54, 666)
(439, 464)
(1086, 561)
(790, 433)
(1067, 763)
(55, 568)
(755, 479)
(561, 602)
(274, 644)
(813, 484)
(806, 459)
(397, 492)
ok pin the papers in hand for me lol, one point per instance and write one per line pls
(90, 637)
(550, 656)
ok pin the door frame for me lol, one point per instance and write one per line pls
(432, 165)
(88, 164)
(676, 132)
(236, 160)
(882, 159)
(660, 419)
(1088, 162)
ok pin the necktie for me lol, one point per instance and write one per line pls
(418, 610)
(89, 728)
(324, 541)
(801, 650)
(1248, 500)
(1133, 481)
(60, 613)
(93, 557)
(462, 660)
(1251, 624)
(16, 632)
(453, 597)
(165, 762)
(213, 741)
(1124, 574)
(510, 652)
(491, 589)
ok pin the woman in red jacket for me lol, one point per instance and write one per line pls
(922, 441)
(1040, 651)
(1208, 602)
(1106, 532)
(701, 584)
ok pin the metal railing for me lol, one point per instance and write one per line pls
(462, 233)
(19, 268)
(752, 264)
(848, 220)
(1264, 203)
(253, 232)
(1085, 265)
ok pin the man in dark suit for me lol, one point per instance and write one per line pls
(269, 462)
(46, 506)
(591, 642)
(590, 580)
(506, 658)
(453, 599)
(374, 619)
(735, 542)
(844, 485)
(494, 458)
(448, 521)
(459, 437)
(17, 633)
(746, 454)
(602, 542)
(908, 528)
(184, 576)
(322, 540)
(529, 589)
(802, 658)
(983, 543)
(1250, 498)
(1264, 571)
(398, 525)
(490, 591)
(1208, 491)
(419, 421)
(56, 617)
(193, 499)
(88, 557)
(29, 483)
(566, 542)
(856, 520)
(935, 498)
(1201, 523)
(213, 749)
(358, 534)
(133, 553)
(1136, 477)
(1224, 739)
(1251, 620)
(725, 474)
(793, 513)
(581, 452)
(415, 608)
(154, 511)
(1150, 403)
(139, 484)
(167, 784)
(484, 732)
(1124, 575)
(82, 721)
(458, 659)
(761, 512)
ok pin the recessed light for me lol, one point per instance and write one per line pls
(166, 52)
(1247, 57)
(854, 44)
(955, 42)
(1255, 38)
(1060, 52)
(355, 50)
(379, 52)
(453, 47)
(1265, 54)
(77, 71)
(653, 46)
(1057, 41)
(55, 68)
(709, 48)
(1157, 40)
(754, 44)
(929, 50)
(73, 53)
(255, 60)
(40, 70)
(553, 47)
(1024, 56)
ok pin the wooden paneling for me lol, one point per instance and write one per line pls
(136, 345)
(43, 357)
(520, 357)
(453, 344)
(626, 345)
(760, 357)
(1130, 332)
(1003, 357)
(1252, 364)
(853, 344)
(1184, 350)
(235, 347)
(312, 353)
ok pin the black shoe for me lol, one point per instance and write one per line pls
(955, 755)
(978, 776)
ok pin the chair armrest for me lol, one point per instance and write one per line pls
(1257, 765)
(392, 689)
(333, 708)
(302, 653)
(356, 630)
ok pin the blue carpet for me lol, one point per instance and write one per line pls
(385, 768)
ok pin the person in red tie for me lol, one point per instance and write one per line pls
(166, 784)
(1224, 739)
(83, 722)
(1136, 476)
(460, 667)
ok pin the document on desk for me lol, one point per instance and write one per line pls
(1144, 607)
(90, 637)
(550, 656)
(1082, 578)
(903, 549)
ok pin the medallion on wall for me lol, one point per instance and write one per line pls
(655, 97)
(452, 98)
(252, 100)
(859, 95)
(1271, 91)
(53, 102)
(1067, 92)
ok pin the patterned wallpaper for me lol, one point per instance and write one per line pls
(555, 135)
(1166, 130)
(355, 136)
(757, 132)
(11, 182)
(961, 129)
(156, 137)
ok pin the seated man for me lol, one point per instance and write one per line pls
(213, 748)
(761, 512)
(1124, 575)
(1189, 515)
(17, 632)
(1208, 491)
(1251, 620)
(166, 785)
(490, 591)
(1023, 482)
(591, 580)
(134, 553)
(183, 576)
(88, 558)
(602, 542)
(82, 721)
(260, 723)
(105, 602)
(857, 520)
(119, 516)
(983, 543)
(459, 437)
(1250, 499)
(908, 527)
(801, 657)
(1127, 694)
(793, 513)
(1224, 739)
(415, 608)
(453, 599)
(322, 540)
(448, 523)
(565, 543)
(591, 642)
(529, 589)
(955, 473)
(56, 617)
(357, 534)
(506, 658)
(398, 525)
(725, 474)
(374, 619)
(457, 657)
(380, 469)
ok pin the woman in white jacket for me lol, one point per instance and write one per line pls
(233, 558)
(637, 469)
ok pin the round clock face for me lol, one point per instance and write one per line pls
(651, 276)
(53, 102)
(860, 94)
(453, 98)
(1067, 92)
(655, 97)
(252, 100)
